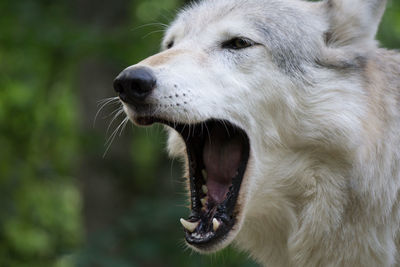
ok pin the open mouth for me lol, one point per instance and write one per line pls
(217, 153)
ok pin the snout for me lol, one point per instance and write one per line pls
(134, 85)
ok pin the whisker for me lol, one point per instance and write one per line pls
(208, 133)
(102, 104)
(115, 111)
(110, 140)
(125, 122)
(115, 117)
(114, 132)
(151, 24)
(226, 128)
(152, 32)
(109, 99)
(168, 15)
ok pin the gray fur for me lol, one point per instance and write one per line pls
(320, 103)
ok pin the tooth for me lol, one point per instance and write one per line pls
(196, 235)
(203, 201)
(216, 224)
(189, 225)
(204, 173)
(205, 189)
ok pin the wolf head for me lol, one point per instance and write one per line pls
(245, 85)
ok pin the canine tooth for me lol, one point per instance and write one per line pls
(203, 201)
(204, 173)
(189, 225)
(216, 224)
(205, 189)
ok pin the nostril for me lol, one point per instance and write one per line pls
(142, 88)
(118, 88)
(118, 84)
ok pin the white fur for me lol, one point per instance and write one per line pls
(323, 179)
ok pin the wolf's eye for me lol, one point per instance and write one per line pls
(170, 44)
(237, 43)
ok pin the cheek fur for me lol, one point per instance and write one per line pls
(176, 147)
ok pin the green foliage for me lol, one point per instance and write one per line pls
(40, 203)
(42, 44)
(389, 33)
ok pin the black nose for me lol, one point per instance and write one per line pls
(134, 85)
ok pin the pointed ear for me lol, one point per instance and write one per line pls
(352, 22)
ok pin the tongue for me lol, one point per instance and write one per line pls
(221, 156)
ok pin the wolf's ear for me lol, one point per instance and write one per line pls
(353, 22)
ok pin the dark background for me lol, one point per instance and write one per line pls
(61, 202)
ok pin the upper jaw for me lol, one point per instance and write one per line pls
(148, 114)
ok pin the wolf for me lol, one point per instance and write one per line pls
(287, 116)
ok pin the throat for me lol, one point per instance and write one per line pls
(222, 155)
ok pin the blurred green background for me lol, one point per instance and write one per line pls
(61, 202)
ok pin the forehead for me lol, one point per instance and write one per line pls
(237, 14)
(203, 16)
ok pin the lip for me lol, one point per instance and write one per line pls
(218, 154)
